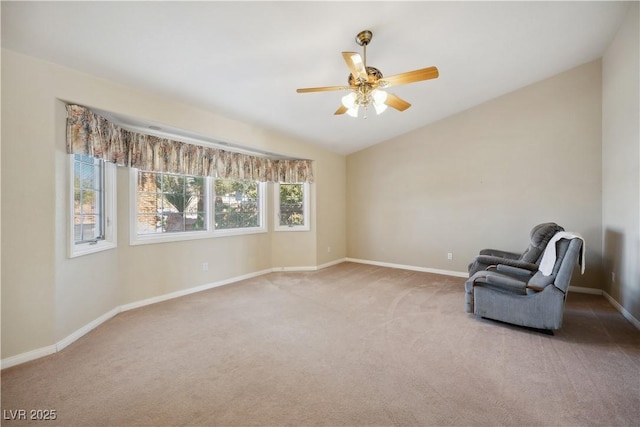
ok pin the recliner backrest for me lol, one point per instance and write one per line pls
(540, 236)
(571, 257)
(567, 253)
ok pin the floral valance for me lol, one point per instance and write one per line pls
(91, 134)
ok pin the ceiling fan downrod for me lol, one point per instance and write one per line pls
(363, 39)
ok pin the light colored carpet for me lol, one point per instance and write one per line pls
(350, 345)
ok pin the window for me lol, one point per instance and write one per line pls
(170, 203)
(92, 222)
(239, 206)
(172, 207)
(292, 207)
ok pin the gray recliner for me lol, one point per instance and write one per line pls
(520, 297)
(529, 259)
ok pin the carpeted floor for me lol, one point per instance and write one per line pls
(350, 345)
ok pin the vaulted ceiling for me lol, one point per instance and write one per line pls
(245, 60)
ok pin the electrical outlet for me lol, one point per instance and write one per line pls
(613, 277)
(328, 248)
(449, 256)
(205, 266)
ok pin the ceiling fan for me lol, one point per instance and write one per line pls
(366, 83)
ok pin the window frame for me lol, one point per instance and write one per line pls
(306, 209)
(210, 232)
(108, 209)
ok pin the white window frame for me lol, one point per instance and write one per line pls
(305, 209)
(108, 211)
(210, 232)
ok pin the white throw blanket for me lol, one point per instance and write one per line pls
(549, 256)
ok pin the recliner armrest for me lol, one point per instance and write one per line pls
(494, 260)
(523, 273)
(500, 254)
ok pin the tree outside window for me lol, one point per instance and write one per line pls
(292, 207)
(169, 203)
(237, 204)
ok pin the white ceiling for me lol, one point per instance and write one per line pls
(245, 60)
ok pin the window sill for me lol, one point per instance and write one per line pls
(293, 228)
(149, 239)
(87, 248)
(238, 232)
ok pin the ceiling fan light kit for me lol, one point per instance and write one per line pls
(366, 83)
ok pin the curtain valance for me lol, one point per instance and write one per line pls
(91, 134)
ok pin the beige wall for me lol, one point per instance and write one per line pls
(621, 164)
(331, 190)
(47, 296)
(483, 178)
(28, 227)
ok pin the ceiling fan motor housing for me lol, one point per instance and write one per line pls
(373, 73)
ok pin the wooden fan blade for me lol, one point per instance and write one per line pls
(321, 89)
(355, 64)
(397, 103)
(341, 110)
(410, 77)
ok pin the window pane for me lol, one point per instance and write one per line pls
(86, 228)
(89, 199)
(237, 204)
(291, 204)
(88, 181)
(77, 201)
(149, 203)
(173, 222)
(195, 221)
(85, 158)
(149, 224)
(147, 181)
(87, 175)
(169, 203)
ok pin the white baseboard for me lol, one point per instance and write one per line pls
(411, 267)
(28, 356)
(301, 268)
(310, 268)
(331, 263)
(635, 322)
(45, 351)
(86, 329)
(184, 292)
